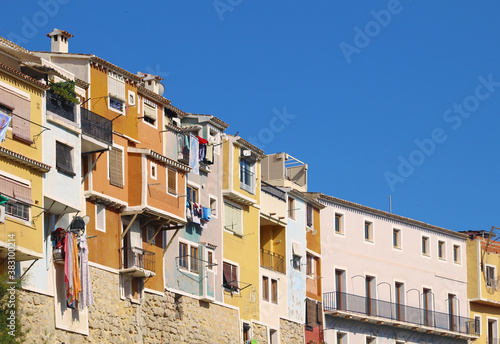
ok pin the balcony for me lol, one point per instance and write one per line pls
(337, 303)
(272, 260)
(138, 262)
(96, 126)
(60, 106)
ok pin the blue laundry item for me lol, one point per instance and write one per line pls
(207, 214)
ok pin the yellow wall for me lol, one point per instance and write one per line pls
(245, 252)
(28, 236)
(473, 262)
(485, 312)
(225, 153)
(314, 240)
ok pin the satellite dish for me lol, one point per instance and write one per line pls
(247, 152)
(161, 89)
(86, 219)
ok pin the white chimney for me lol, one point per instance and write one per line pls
(152, 83)
(59, 41)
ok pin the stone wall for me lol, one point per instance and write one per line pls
(170, 318)
(259, 333)
(291, 332)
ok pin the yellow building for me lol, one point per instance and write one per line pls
(483, 263)
(21, 167)
(241, 192)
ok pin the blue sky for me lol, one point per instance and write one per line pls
(379, 98)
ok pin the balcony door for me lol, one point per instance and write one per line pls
(370, 295)
(340, 289)
(492, 331)
(133, 239)
(427, 307)
(399, 287)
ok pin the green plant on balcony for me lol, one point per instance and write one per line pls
(66, 89)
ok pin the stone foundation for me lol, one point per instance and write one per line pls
(170, 318)
(291, 332)
(260, 333)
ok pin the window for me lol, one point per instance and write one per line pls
(210, 260)
(477, 325)
(246, 333)
(116, 90)
(150, 232)
(18, 209)
(427, 302)
(425, 246)
(131, 98)
(232, 219)
(213, 206)
(400, 301)
(116, 104)
(490, 276)
(274, 291)
(452, 312)
(247, 174)
(172, 181)
(370, 340)
(396, 238)
(192, 194)
(265, 288)
(371, 295)
(296, 255)
(338, 224)
(183, 258)
(340, 288)
(311, 265)
(64, 159)
(153, 170)
(341, 338)
(441, 250)
(20, 103)
(492, 331)
(230, 276)
(100, 217)
(149, 112)
(193, 267)
(116, 167)
(309, 215)
(368, 231)
(456, 254)
(291, 208)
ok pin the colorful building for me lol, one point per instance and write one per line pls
(483, 288)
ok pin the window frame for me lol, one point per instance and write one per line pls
(212, 203)
(70, 151)
(291, 208)
(368, 234)
(490, 282)
(274, 291)
(97, 212)
(457, 254)
(195, 190)
(396, 241)
(235, 269)
(441, 249)
(338, 219)
(169, 190)
(245, 164)
(121, 149)
(153, 170)
(12, 204)
(148, 104)
(240, 210)
(265, 288)
(425, 246)
(309, 215)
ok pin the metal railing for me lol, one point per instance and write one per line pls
(60, 106)
(96, 126)
(272, 260)
(398, 312)
(137, 257)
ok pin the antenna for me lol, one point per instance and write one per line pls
(390, 204)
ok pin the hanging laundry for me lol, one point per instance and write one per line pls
(71, 270)
(3, 199)
(189, 211)
(207, 214)
(193, 156)
(203, 148)
(196, 213)
(209, 155)
(86, 296)
(5, 119)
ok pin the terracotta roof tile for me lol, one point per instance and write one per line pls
(23, 76)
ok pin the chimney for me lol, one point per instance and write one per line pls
(152, 83)
(59, 41)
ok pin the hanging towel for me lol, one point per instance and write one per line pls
(193, 156)
(203, 150)
(71, 270)
(5, 119)
(207, 214)
(86, 296)
(209, 155)
(196, 213)
(189, 212)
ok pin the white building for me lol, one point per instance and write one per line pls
(391, 279)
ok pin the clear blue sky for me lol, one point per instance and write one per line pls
(356, 102)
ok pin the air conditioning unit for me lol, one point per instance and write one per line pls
(2, 214)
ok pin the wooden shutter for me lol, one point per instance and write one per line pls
(310, 312)
(115, 167)
(319, 313)
(172, 181)
(21, 107)
(15, 189)
(64, 160)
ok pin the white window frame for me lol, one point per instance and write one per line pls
(238, 271)
(442, 257)
(153, 167)
(458, 260)
(131, 95)
(213, 212)
(72, 153)
(188, 258)
(152, 104)
(398, 245)
(103, 209)
(494, 275)
(251, 189)
(341, 224)
(478, 317)
(371, 232)
(427, 246)
(22, 181)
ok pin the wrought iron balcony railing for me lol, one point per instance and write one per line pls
(96, 126)
(337, 301)
(60, 106)
(135, 257)
(272, 260)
